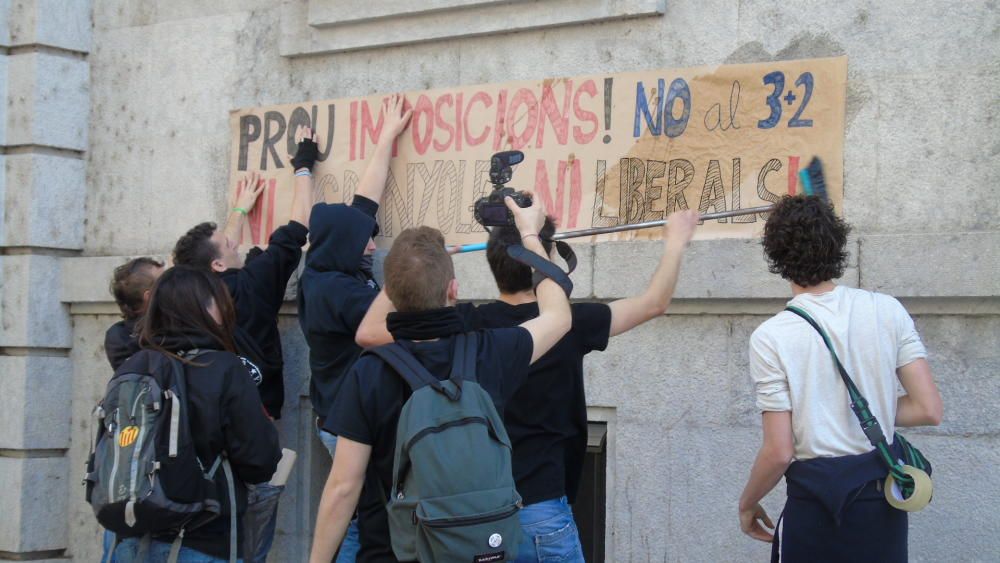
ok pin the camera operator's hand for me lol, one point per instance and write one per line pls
(396, 118)
(308, 151)
(529, 220)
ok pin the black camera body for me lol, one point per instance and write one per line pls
(491, 210)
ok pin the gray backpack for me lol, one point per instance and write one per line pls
(143, 475)
(453, 494)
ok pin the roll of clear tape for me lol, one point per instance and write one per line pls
(923, 489)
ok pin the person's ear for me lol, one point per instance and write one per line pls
(218, 266)
(145, 298)
(453, 291)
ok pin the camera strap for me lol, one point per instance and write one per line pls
(544, 268)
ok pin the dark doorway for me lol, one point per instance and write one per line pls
(589, 510)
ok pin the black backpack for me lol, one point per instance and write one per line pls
(144, 477)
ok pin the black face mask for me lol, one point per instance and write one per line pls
(367, 264)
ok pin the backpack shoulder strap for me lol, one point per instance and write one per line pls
(403, 363)
(463, 364)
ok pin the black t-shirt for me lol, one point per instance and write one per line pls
(371, 396)
(547, 417)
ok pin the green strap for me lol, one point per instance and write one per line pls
(869, 424)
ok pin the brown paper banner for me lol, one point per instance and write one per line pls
(600, 150)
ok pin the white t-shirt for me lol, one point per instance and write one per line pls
(792, 369)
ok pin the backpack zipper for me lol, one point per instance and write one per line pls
(134, 481)
(472, 520)
(135, 403)
(435, 429)
(114, 446)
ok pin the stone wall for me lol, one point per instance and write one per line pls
(921, 173)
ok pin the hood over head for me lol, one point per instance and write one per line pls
(338, 235)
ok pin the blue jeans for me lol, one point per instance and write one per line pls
(351, 545)
(109, 543)
(128, 549)
(548, 533)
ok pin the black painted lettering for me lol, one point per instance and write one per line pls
(249, 132)
(271, 137)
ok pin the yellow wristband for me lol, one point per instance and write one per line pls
(241, 210)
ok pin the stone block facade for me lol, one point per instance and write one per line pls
(114, 139)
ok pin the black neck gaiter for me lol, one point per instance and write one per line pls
(425, 325)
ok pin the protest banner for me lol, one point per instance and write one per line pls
(600, 150)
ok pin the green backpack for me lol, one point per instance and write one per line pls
(453, 494)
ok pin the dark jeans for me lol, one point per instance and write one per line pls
(870, 531)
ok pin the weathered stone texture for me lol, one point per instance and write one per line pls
(34, 394)
(30, 312)
(47, 98)
(34, 499)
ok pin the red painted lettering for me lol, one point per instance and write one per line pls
(793, 174)
(524, 97)
(422, 112)
(487, 102)
(441, 124)
(558, 118)
(583, 115)
(500, 125)
(369, 129)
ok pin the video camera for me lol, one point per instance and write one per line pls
(490, 210)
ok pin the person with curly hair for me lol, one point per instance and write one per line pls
(808, 425)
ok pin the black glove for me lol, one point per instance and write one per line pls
(306, 155)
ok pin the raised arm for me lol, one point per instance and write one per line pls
(303, 162)
(373, 330)
(243, 204)
(395, 119)
(554, 316)
(631, 312)
(921, 405)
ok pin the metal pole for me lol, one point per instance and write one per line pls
(659, 223)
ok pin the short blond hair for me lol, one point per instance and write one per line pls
(418, 270)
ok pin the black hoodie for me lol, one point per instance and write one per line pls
(226, 415)
(258, 291)
(335, 291)
(121, 342)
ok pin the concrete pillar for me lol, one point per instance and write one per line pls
(44, 111)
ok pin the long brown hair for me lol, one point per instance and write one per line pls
(179, 305)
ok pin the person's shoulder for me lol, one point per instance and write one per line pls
(219, 357)
(586, 314)
(884, 300)
(117, 331)
(771, 329)
(501, 340)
